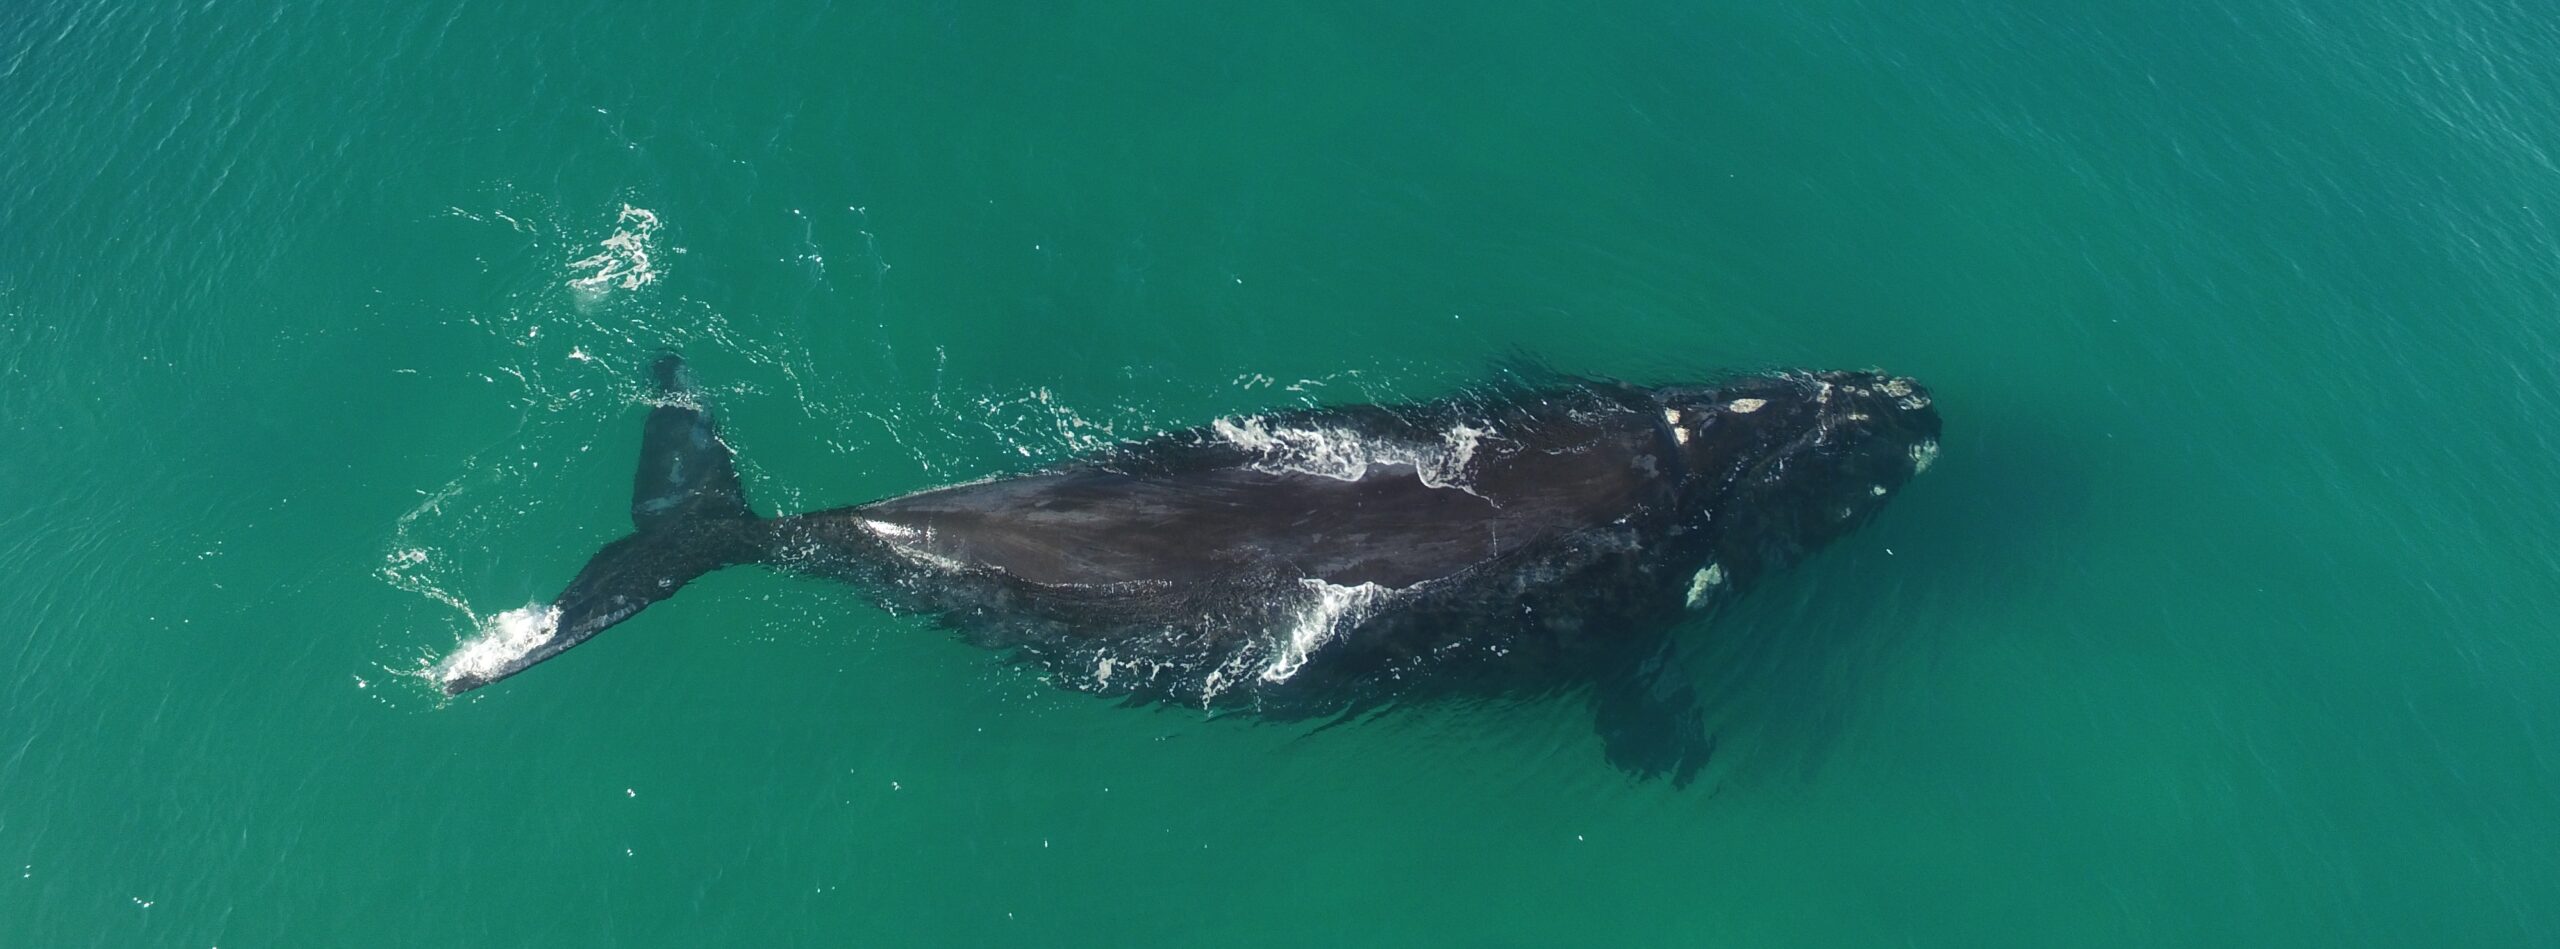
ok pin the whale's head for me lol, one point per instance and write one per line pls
(1782, 464)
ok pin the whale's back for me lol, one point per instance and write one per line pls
(1383, 503)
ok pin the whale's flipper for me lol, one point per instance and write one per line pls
(692, 519)
(1648, 716)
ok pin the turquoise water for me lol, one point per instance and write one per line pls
(2227, 617)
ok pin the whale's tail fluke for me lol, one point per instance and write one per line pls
(686, 471)
(691, 517)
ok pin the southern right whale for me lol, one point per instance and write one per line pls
(1525, 540)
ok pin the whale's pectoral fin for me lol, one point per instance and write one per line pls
(1647, 713)
(685, 469)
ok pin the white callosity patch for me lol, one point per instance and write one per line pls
(1704, 584)
(1746, 406)
(1672, 418)
(1923, 455)
(1346, 455)
(624, 261)
(1331, 609)
(1904, 395)
(504, 639)
(1876, 489)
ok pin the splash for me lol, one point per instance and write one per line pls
(624, 261)
(504, 639)
(1333, 609)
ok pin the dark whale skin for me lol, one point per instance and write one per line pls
(1521, 541)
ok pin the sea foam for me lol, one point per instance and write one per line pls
(623, 263)
(1346, 455)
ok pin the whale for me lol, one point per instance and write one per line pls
(1541, 536)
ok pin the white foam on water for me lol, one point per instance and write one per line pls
(409, 569)
(503, 640)
(1461, 440)
(1331, 609)
(624, 261)
(1345, 455)
(410, 566)
(1324, 452)
(1038, 422)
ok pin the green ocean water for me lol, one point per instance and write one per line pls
(2226, 618)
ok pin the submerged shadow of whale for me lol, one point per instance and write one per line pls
(1316, 562)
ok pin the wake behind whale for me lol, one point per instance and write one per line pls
(1317, 561)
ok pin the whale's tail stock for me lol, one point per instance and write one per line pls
(690, 518)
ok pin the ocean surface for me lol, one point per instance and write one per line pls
(2229, 617)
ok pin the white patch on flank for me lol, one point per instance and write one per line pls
(1704, 584)
(1923, 455)
(624, 261)
(503, 640)
(1333, 609)
(1746, 406)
